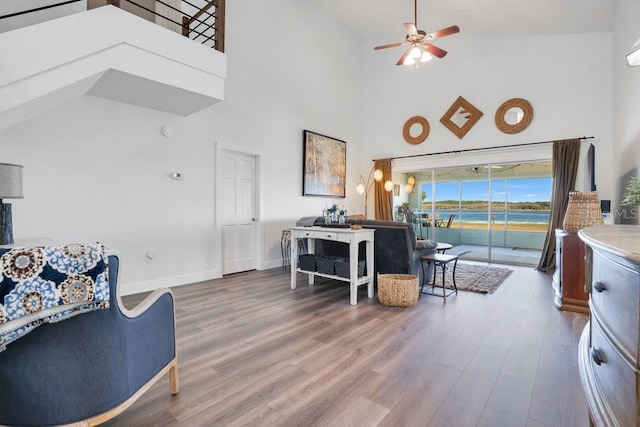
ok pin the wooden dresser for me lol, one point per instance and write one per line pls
(568, 279)
(608, 351)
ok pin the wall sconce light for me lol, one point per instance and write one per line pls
(364, 187)
(408, 188)
(10, 188)
(411, 180)
(633, 56)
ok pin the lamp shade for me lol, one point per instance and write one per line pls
(10, 181)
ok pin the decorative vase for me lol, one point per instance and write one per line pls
(341, 218)
(327, 217)
(583, 211)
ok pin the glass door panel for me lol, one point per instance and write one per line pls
(474, 214)
(425, 199)
(494, 212)
(498, 213)
(523, 190)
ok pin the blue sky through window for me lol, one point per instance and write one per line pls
(517, 190)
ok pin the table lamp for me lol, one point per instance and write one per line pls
(10, 188)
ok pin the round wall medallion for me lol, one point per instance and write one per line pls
(514, 115)
(419, 124)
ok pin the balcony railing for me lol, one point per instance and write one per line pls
(199, 20)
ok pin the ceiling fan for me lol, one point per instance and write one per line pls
(419, 44)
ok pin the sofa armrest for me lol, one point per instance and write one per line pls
(425, 244)
(145, 304)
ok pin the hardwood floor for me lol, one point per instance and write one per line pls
(254, 352)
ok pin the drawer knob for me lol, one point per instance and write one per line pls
(599, 287)
(596, 356)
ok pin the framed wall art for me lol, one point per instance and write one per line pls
(323, 166)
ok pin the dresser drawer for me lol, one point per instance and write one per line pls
(317, 234)
(615, 294)
(616, 379)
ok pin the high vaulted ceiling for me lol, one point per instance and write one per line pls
(376, 19)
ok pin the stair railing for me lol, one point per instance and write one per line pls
(204, 25)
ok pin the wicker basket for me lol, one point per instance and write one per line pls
(307, 262)
(326, 264)
(399, 290)
(583, 211)
(343, 268)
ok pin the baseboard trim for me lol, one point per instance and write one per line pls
(168, 282)
(268, 265)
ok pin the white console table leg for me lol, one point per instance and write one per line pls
(311, 249)
(293, 264)
(370, 268)
(353, 271)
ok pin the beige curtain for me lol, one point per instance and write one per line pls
(564, 171)
(383, 198)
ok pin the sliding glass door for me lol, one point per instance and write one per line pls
(493, 212)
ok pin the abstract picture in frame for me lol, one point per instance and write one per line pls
(324, 165)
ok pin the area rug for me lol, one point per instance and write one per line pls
(474, 278)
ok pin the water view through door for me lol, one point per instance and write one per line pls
(495, 212)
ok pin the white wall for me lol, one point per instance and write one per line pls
(99, 170)
(14, 6)
(626, 105)
(566, 78)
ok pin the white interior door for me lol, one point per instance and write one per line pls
(238, 212)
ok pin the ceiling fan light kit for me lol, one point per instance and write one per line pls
(633, 55)
(419, 48)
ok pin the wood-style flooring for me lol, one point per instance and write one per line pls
(254, 352)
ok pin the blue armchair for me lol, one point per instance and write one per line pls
(91, 367)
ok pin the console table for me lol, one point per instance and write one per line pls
(346, 235)
(608, 351)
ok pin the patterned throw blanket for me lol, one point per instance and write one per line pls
(49, 284)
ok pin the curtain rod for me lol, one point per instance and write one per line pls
(476, 149)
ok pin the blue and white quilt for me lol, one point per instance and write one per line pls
(49, 284)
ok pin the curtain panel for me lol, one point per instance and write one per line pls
(383, 198)
(566, 154)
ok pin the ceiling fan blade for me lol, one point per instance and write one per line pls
(443, 32)
(411, 29)
(404, 56)
(387, 46)
(434, 50)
